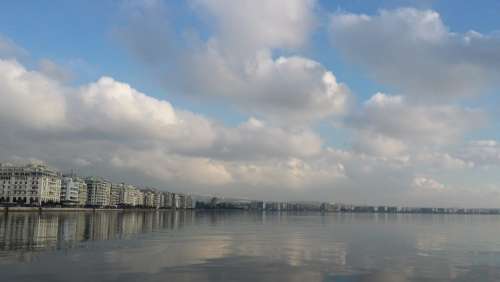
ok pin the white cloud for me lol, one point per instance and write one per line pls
(416, 52)
(30, 98)
(111, 129)
(237, 62)
(171, 168)
(482, 152)
(255, 24)
(428, 184)
(442, 161)
(254, 139)
(389, 125)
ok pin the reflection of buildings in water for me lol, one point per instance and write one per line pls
(130, 224)
(99, 225)
(30, 231)
(45, 231)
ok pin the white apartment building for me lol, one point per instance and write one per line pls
(176, 201)
(73, 191)
(139, 198)
(149, 198)
(116, 191)
(30, 184)
(82, 193)
(98, 191)
(128, 195)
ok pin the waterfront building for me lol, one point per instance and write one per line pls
(189, 202)
(116, 191)
(139, 198)
(99, 191)
(327, 207)
(149, 198)
(82, 193)
(30, 184)
(182, 201)
(157, 199)
(73, 191)
(258, 205)
(166, 200)
(128, 196)
(176, 201)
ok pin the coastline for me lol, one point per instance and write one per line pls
(53, 209)
(5, 209)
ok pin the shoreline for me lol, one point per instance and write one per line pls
(4, 209)
(52, 209)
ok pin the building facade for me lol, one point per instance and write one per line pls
(129, 196)
(98, 191)
(82, 193)
(116, 191)
(73, 191)
(166, 200)
(31, 184)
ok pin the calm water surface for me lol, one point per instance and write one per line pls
(239, 246)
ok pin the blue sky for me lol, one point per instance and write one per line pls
(436, 107)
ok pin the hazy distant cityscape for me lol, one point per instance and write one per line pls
(37, 185)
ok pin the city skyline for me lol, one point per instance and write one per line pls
(392, 102)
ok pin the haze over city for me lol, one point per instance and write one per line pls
(386, 102)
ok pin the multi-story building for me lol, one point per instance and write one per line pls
(98, 191)
(30, 184)
(139, 198)
(82, 193)
(73, 191)
(149, 198)
(116, 191)
(129, 195)
(176, 201)
(157, 199)
(189, 202)
(166, 200)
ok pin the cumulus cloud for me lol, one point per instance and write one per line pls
(109, 127)
(253, 25)
(417, 53)
(237, 62)
(389, 125)
(248, 55)
(254, 139)
(29, 97)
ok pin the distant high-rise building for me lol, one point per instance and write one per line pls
(30, 184)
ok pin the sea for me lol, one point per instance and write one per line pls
(193, 245)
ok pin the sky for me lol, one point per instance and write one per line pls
(364, 102)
